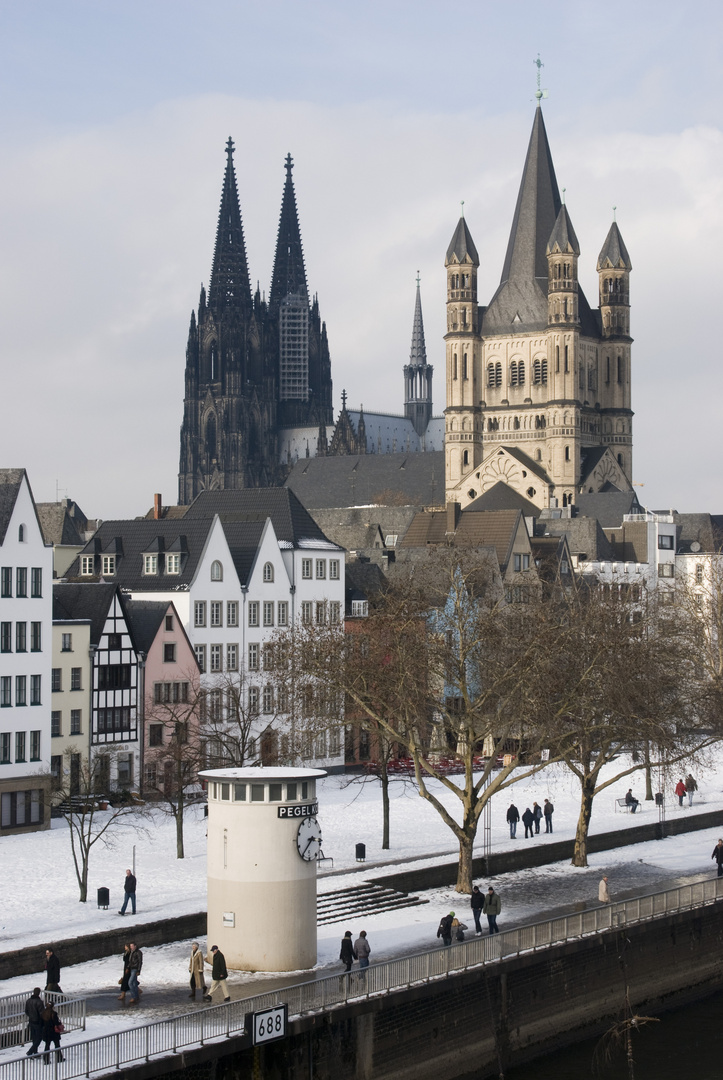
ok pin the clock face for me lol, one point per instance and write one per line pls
(308, 839)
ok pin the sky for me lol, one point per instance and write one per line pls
(113, 127)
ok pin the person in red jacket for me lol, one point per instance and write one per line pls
(680, 791)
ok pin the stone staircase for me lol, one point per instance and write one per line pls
(365, 899)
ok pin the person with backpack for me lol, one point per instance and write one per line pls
(444, 930)
(458, 928)
(548, 810)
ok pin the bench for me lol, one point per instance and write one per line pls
(626, 805)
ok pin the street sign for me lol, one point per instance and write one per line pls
(268, 1025)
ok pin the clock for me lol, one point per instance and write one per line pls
(308, 839)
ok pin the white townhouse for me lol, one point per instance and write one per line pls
(238, 566)
(642, 551)
(26, 624)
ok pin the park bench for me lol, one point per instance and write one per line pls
(625, 805)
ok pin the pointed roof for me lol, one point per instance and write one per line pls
(230, 284)
(418, 351)
(289, 274)
(461, 246)
(563, 235)
(10, 482)
(614, 253)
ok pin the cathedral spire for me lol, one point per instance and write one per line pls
(229, 283)
(418, 351)
(289, 275)
(418, 374)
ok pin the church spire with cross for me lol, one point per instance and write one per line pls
(229, 286)
(418, 373)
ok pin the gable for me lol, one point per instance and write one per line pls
(601, 472)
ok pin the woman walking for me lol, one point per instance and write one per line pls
(52, 1028)
(124, 980)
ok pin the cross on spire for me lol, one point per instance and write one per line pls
(230, 148)
(289, 164)
(343, 399)
(539, 93)
(418, 279)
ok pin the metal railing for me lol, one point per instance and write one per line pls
(162, 1038)
(70, 1010)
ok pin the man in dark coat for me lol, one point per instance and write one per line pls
(513, 816)
(135, 964)
(718, 856)
(52, 972)
(492, 908)
(219, 974)
(548, 810)
(528, 820)
(477, 902)
(347, 954)
(444, 929)
(129, 888)
(33, 1010)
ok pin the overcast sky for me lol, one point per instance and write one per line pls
(114, 118)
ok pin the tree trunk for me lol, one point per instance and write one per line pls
(464, 870)
(84, 878)
(648, 774)
(179, 828)
(579, 855)
(384, 777)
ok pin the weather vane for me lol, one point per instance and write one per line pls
(462, 205)
(540, 93)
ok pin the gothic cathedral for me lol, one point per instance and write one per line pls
(253, 368)
(538, 383)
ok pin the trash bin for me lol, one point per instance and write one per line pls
(361, 852)
(659, 798)
(103, 898)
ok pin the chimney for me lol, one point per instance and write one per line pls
(157, 507)
(453, 509)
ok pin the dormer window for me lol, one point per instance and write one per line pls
(150, 564)
(268, 571)
(108, 565)
(173, 563)
(86, 565)
(216, 571)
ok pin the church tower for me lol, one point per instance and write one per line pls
(418, 375)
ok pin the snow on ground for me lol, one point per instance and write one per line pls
(39, 896)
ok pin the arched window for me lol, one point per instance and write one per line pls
(544, 371)
(498, 374)
(465, 458)
(567, 458)
(21, 534)
(454, 366)
(490, 374)
(521, 373)
(268, 571)
(536, 372)
(216, 571)
(211, 436)
(517, 423)
(538, 455)
(513, 373)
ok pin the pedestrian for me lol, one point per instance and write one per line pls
(135, 964)
(548, 810)
(52, 972)
(537, 815)
(631, 801)
(680, 791)
(219, 974)
(458, 928)
(691, 787)
(347, 953)
(477, 901)
(34, 1012)
(513, 816)
(52, 1030)
(362, 948)
(718, 856)
(123, 981)
(603, 893)
(195, 966)
(129, 888)
(492, 908)
(528, 821)
(444, 930)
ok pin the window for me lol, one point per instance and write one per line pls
(253, 699)
(232, 613)
(75, 721)
(253, 613)
(521, 562)
(151, 774)
(21, 581)
(666, 570)
(199, 613)
(36, 682)
(253, 663)
(115, 641)
(56, 724)
(21, 534)
(20, 690)
(36, 637)
(21, 637)
(108, 565)
(169, 652)
(56, 680)
(125, 771)
(216, 571)
(20, 746)
(216, 658)
(232, 657)
(36, 581)
(699, 574)
(56, 770)
(6, 637)
(200, 651)
(150, 564)
(35, 746)
(268, 571)
(155, 734)
(67, 642)
(665, 543)
(216, 613)
(75, 675)
(306, 612)
(239, 792)
(334, 612)
(173, 563)
(268, 613)
(269, 657)
(169, 622)
(86, 565)
(6, 581)
(306, 565)
(321, 569)
(359, 608)
(268, 699)
(283, 612)
(320, 613)
(5, 748)
(334, 563)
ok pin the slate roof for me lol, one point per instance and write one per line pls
(584, 535)
(608, 507)
(144, 618)
(291, 521)
(364, 527)
(614, 251)
(563, 234)
(502, 497)
(697, 529)
(363, 580)
(400, 479)
(87, 600)
(495, 528)
(10, 481)
(57, 524)
(461, 246)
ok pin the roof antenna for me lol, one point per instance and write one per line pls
(539, 93)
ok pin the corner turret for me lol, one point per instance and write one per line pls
(563, 252)
(613, 267)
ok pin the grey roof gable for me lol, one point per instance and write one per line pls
(290, 519)
(390, 479)
(10, 481)
(613, 252)
(87, 600)
(461, 246)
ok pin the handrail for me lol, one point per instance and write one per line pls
(111, 1052)
(71, 1011)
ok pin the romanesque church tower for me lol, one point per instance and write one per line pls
(252, 368)
(538, 383)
